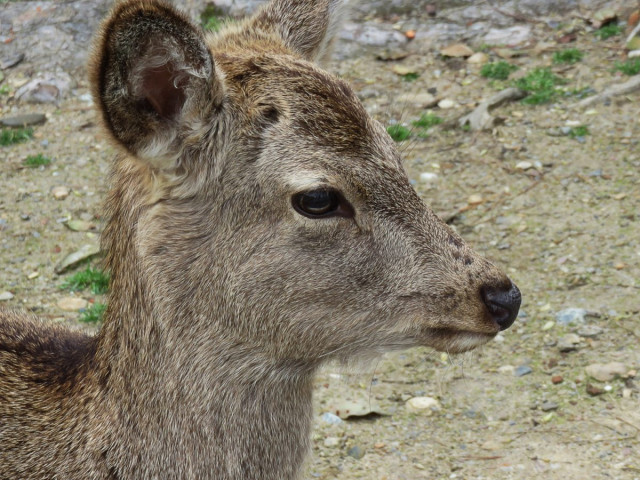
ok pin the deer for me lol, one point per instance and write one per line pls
(259, 225)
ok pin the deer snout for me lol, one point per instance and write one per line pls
(502, 303)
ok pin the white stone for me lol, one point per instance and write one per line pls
(424, 404)
(72, 304)
(5, 296)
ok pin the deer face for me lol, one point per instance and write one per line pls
(273, 211)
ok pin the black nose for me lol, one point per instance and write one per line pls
(503, 304)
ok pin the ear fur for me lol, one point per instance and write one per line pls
(308, 27)
(153, 78)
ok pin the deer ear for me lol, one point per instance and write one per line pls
(308, 27)
(153, 79)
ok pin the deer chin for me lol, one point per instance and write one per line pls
(454, 341)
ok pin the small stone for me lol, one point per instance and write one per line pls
(80, 225)
(507, 369)
(428, 177)
(402, 70)
(356, 452)
(24, 120)
(456, 50)
(73, 259)
(547, 418)
(424, 100)
(589, 331)
(446, 104)
(594, 390)
(11, 61)
(548, 326)
(478, 58)
(524, 165)
(626, 393)
(60, 192)
(571, 316)
(475, 199)
(523, 370)
(379, 445)
(424, 404)
(606, 372)
(569, 342)
(33, 275)
(548, 406)
(4, 296)
(72, 304)
(556, 379)
(331, 419)
(331, 442)
(491, 445)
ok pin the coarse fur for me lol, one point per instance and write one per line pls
(225, 296)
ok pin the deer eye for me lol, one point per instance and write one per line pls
(321, 203)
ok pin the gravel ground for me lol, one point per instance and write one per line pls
(560, 213)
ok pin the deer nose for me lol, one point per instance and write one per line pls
(502, 303)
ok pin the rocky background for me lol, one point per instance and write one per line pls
(519, 123)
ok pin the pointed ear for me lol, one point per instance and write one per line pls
(153, 79)
(308, 27)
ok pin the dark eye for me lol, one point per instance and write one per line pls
(321, 203)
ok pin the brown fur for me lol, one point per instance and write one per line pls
(224, 299)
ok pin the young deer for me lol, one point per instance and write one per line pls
(259, 224)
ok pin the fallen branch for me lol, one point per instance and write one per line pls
(480, 118)
(613, 91)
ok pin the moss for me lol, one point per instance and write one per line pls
(498, 70)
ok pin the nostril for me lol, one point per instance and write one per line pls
(502, 303)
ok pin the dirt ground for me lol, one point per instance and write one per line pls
(565, 226)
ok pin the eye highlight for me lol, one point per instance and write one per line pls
(321, 203)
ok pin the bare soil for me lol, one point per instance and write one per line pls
(567, 230)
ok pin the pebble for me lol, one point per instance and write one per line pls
(331, 442)
(24, 120)
(331, 419)
(507, 369)
(556, 379)
(456, 50)
(523, 370)
(491, 445)
(594, 390)
(524, 165)
(475, 199)
(428, 177)
(60, 192)
(356, 452)
(569, 342)
(423, 404)
(548, 406)
(478, 58)
(71, 260)
(571, 316)
(590, 331)
(548, 326)
(446, 104)
(606, 372)
(508, 36)
(4, 296)
(72, 304)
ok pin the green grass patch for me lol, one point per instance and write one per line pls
(581, 131)
(4, 89)
(92, 278)
(498, 70)
(11, 136)
(608, 31)
(541, 85)
(630, 67)
(427, 120)
(35, 161)
(410, 77)
(93, 314)
(570, 55)
(398, 132)
(212, 18)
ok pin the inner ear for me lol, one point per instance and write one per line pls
(163, 90)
